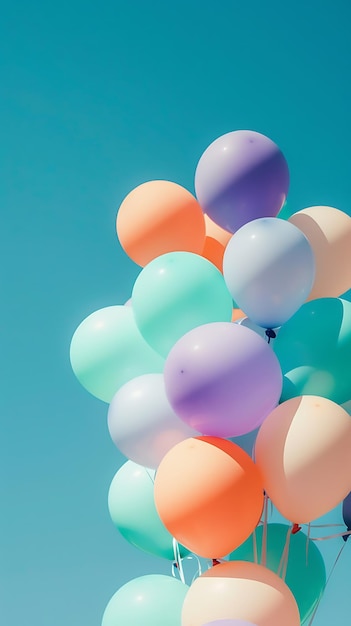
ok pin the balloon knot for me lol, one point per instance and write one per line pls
(175, 564)
(295, 529)
(215, 562)
(271, 334)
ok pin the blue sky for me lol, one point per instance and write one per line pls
(97, 98)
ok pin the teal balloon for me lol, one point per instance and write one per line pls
(133, 512)
(175, 293)
(314, 350)
(107, 350)
(154, 600)
(305, 573)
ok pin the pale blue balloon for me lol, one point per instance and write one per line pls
(154, 600)
(269, 269)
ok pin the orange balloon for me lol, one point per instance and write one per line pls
(240, 591)
(329, 233)
(237, 314)
(159, 217)
(209, 495)
(215, 243)
(303, 451)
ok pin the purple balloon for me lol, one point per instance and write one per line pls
(346, 513)
(222, 379)
(229, 622)
(240, 177)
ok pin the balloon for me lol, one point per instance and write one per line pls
(132, 510)
(303, 451)
(243, 591)
(329, 233)
(314, 349)
(215, 243)
(142, 423)
(107, 350)
(222, 379)
(153, 600)
(269, 269)
(229, 622)
(175, 293)
(305, 573)
(240, 177)
(158, 217)
(245, 321)
(209, 495)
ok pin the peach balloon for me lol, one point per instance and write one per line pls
(159, 217)
(329, 233)
(303, 451)
(209, 495)
(215, 243)
(240, 590)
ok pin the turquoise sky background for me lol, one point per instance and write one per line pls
(97, 98)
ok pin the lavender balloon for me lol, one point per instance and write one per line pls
(240, 177)
(222, 379)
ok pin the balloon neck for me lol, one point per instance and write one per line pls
(215, 562)
(295, 529)
(271, 334)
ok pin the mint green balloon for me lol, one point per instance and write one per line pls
(107, 350)
(305, 576)
(133, 512)
(175, 293)
(314, 350)
(154, 600)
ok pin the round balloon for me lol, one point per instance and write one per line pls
(153, 600)
(132, 510)
(269, 269)
(229, 622)
(175, 293)
(222, 379)
(305, 571)
(243, 591)
(107, 350)
(346, 511)
(241, 176)
(329, 233)
(303, 451)
(157, 217)
(314, 349)
(209, 495)
(142, 423)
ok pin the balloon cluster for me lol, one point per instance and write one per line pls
(234, 324)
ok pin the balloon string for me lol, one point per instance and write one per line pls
(285, 556)
(149, 475)
(346, 533)
(327, 581)
(264, 534)
(177, 565)
(254, 539)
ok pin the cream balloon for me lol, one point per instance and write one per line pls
(303, 452)
(329, 233)
(240, 590)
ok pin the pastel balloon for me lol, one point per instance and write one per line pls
(314, 349)
(242, 591)
(305, 570)
(208, 493)
(329, 233)
(269, 269)
(175, 293)
(215, 242)
(303, 451)
(154, 600)
(240, 177)
(107, 350)
(142, 423)
(222, 379)
(346, 511)
(229, 622)
(157, 217)
(132, 510)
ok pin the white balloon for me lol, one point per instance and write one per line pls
(142, 423)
